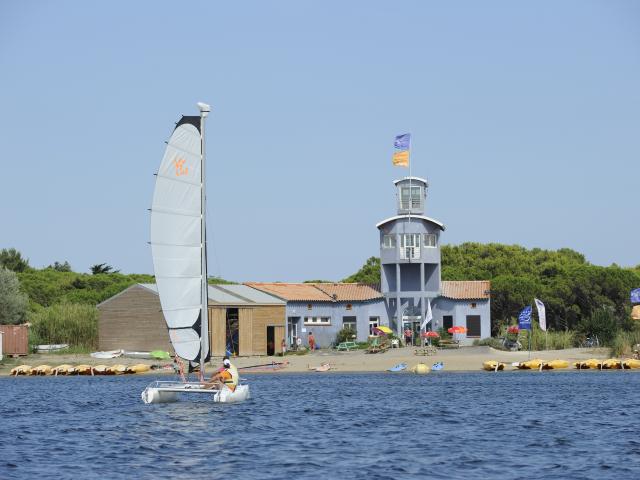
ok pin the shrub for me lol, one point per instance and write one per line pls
(624, 341)
(13, 302)
(346, 334)
(70, 323)
(602, 323)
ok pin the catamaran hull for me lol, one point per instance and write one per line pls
(166, 392)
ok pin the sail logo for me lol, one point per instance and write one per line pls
(180, 168)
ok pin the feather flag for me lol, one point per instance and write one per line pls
(402, 144)
(542, 317)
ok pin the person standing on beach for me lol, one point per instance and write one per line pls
(407, 336)
(283, 346)
(312, 342)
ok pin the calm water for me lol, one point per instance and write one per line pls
(448, 425)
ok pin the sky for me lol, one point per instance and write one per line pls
(525, 120)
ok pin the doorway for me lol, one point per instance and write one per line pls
(271, 341)
(292, 330)
(232, 332)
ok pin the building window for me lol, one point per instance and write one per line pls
(351, 323)
(473, 305)
(388, 241)
(473, 326)
(447, 321)
(429, 239)
(350, 307)
(410, 196)
(373, 323)
(319, 321)
(410, 246)
(309, 306)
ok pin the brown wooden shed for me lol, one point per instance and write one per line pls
(15, 339)
(248, 321)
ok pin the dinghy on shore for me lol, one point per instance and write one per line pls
(554, 365)
(493, 366)
(21, 370)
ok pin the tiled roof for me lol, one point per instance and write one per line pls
(319, 292)
(301, 292)
(345, 292)
(466, 290)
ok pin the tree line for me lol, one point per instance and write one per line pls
(571, 288)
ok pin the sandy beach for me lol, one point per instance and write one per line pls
(462, 359)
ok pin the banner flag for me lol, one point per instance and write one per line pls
(524, 318)
(635, 295)
(402, 144)
(428, 316)
(541, 314)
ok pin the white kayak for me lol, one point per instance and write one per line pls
(165, 392)
(107, 354)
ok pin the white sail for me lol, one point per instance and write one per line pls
(177, 241)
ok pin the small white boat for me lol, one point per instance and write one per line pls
(165, 392)
(108, 354)
(51, 348)
(141, 355)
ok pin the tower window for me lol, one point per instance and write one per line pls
(429, 239)
(410, 197)
(410, 246)
(388, 241)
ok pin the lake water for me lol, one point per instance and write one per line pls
(444, 425)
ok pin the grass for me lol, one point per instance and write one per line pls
(624, 341)
(75, 324)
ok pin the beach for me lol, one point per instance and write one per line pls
(463, 359)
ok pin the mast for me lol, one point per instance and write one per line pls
(204, 317)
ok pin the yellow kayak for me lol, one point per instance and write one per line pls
(555, 365)
(81, 370)
(139, 368)
(420, 369)
(492, 366)
(101, 370)
(592, 363)
(42, 370)
(530, 364)
(21, 370)
(611, 364)
(64, 369)
(118, 369)
(631, 363)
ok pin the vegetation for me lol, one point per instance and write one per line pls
(369, 273)
(572, 289)
(70, 323)
(13, 302)
(102, 268)
(346, 334)
(11, 259)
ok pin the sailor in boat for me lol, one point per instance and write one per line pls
(227, 376)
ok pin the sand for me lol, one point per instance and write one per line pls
(462, 359)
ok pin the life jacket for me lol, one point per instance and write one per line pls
(232, 381)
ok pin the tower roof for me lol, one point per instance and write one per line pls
(419, 217)
(396, 182)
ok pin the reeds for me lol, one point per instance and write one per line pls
(624, 341)
(72, 323)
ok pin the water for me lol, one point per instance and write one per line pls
(446, 425)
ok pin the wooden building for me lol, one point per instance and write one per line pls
(242, 320)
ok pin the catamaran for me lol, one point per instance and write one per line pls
(179, 251)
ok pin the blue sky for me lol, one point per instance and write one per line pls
(525, 119)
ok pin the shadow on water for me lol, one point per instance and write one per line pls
(462, 425)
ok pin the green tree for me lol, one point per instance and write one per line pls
(11, 259)
(99, 268)
(13, 302)
(369, 273)
(60, 267)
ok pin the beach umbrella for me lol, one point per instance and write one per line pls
(382, 330)
(430, 334)
(457, 329)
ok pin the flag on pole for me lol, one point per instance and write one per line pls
(541, 314)
(524, 318)
(402, 144)
(428, 316)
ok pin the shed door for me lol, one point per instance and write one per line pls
(278, 334)
(245, 346)
(217, 317)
